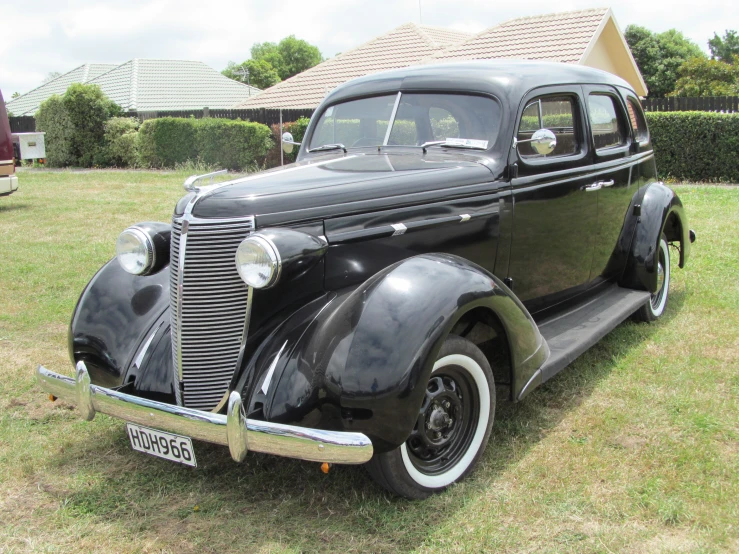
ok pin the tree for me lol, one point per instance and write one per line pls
(725, 49)
(51, 76)
(659, 55)
(703, 77)
(261, 73)
(15, 94)
(297, 55)
(88, 109)
(290, 57)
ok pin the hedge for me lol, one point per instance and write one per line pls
(232, 144)
(120, 142)
(166, 141)
(695, 146)
(228, 144)
(52, 118)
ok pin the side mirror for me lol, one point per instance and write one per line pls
(288, 142)
(542, 141)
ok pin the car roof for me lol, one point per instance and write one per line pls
(506, 79)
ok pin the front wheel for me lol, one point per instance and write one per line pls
(653, 309)
(453, 426)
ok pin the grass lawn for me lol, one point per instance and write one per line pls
(633, 448)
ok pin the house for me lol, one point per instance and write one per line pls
(588, 37)
(28, 103)
(406, 45)
(146, 85)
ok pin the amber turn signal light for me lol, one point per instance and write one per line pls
(325, 466)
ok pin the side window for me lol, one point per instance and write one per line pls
(556, 113)
(638, 123)
(608, 131)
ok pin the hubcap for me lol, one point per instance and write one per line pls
(446, 422)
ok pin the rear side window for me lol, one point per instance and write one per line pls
(608, 131)
(638, 123)
(556, 113)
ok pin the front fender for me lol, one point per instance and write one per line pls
(359, 359)
(112, 318)
(661, 212)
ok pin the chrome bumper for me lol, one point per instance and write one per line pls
(234, 429)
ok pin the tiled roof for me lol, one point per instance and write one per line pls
(406, 45)
(27, 104)
(558, 37)
(152, 85)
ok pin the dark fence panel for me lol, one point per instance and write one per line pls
(27, 123)
(22, 124)
(725, 104)
(258, 115)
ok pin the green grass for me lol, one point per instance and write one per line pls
(633, 448)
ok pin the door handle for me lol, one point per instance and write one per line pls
(598, 185)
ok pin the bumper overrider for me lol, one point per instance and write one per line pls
(234, 429)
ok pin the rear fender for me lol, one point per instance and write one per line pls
(660, 212)
(359, 359)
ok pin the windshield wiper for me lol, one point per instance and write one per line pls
(449, 145)
(336, 146)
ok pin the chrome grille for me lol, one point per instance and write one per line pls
(209, 309)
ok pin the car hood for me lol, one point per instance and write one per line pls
(328, 186)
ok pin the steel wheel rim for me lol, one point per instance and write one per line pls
(436, 444)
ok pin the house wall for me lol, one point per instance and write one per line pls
(610, 53)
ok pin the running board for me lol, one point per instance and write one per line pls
(571, 333)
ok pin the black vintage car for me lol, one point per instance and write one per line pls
(447, 230)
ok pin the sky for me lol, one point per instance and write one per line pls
(41, 36)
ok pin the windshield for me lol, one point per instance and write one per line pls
(459, 120)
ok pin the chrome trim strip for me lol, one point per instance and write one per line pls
(464, 218)
(140, 358)
(399, 229)
(180, 285)
(234, 429)
(391, 120)
(271, 370)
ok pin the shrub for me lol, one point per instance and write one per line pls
(88, 110)
(52, 118)
(120, 142)
(232, 144)
(223, 143)
(166, 141)
(696, 146)
(297, 129)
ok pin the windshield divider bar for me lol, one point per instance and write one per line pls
(391, 120)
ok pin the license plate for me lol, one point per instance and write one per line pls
(165, 445)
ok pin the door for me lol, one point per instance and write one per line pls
(612, 177)
(554, 211)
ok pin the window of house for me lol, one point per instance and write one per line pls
(556, 113)
(608, 131)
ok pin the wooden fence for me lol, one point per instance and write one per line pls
(726, 104)
(27, 124)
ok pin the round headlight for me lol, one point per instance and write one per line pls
(135, 251)
(258, 262)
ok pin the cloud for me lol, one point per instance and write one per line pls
(59, 36)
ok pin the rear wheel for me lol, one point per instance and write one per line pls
(452, 428)
(653, 309)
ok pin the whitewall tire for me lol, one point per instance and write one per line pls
(453, 426)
